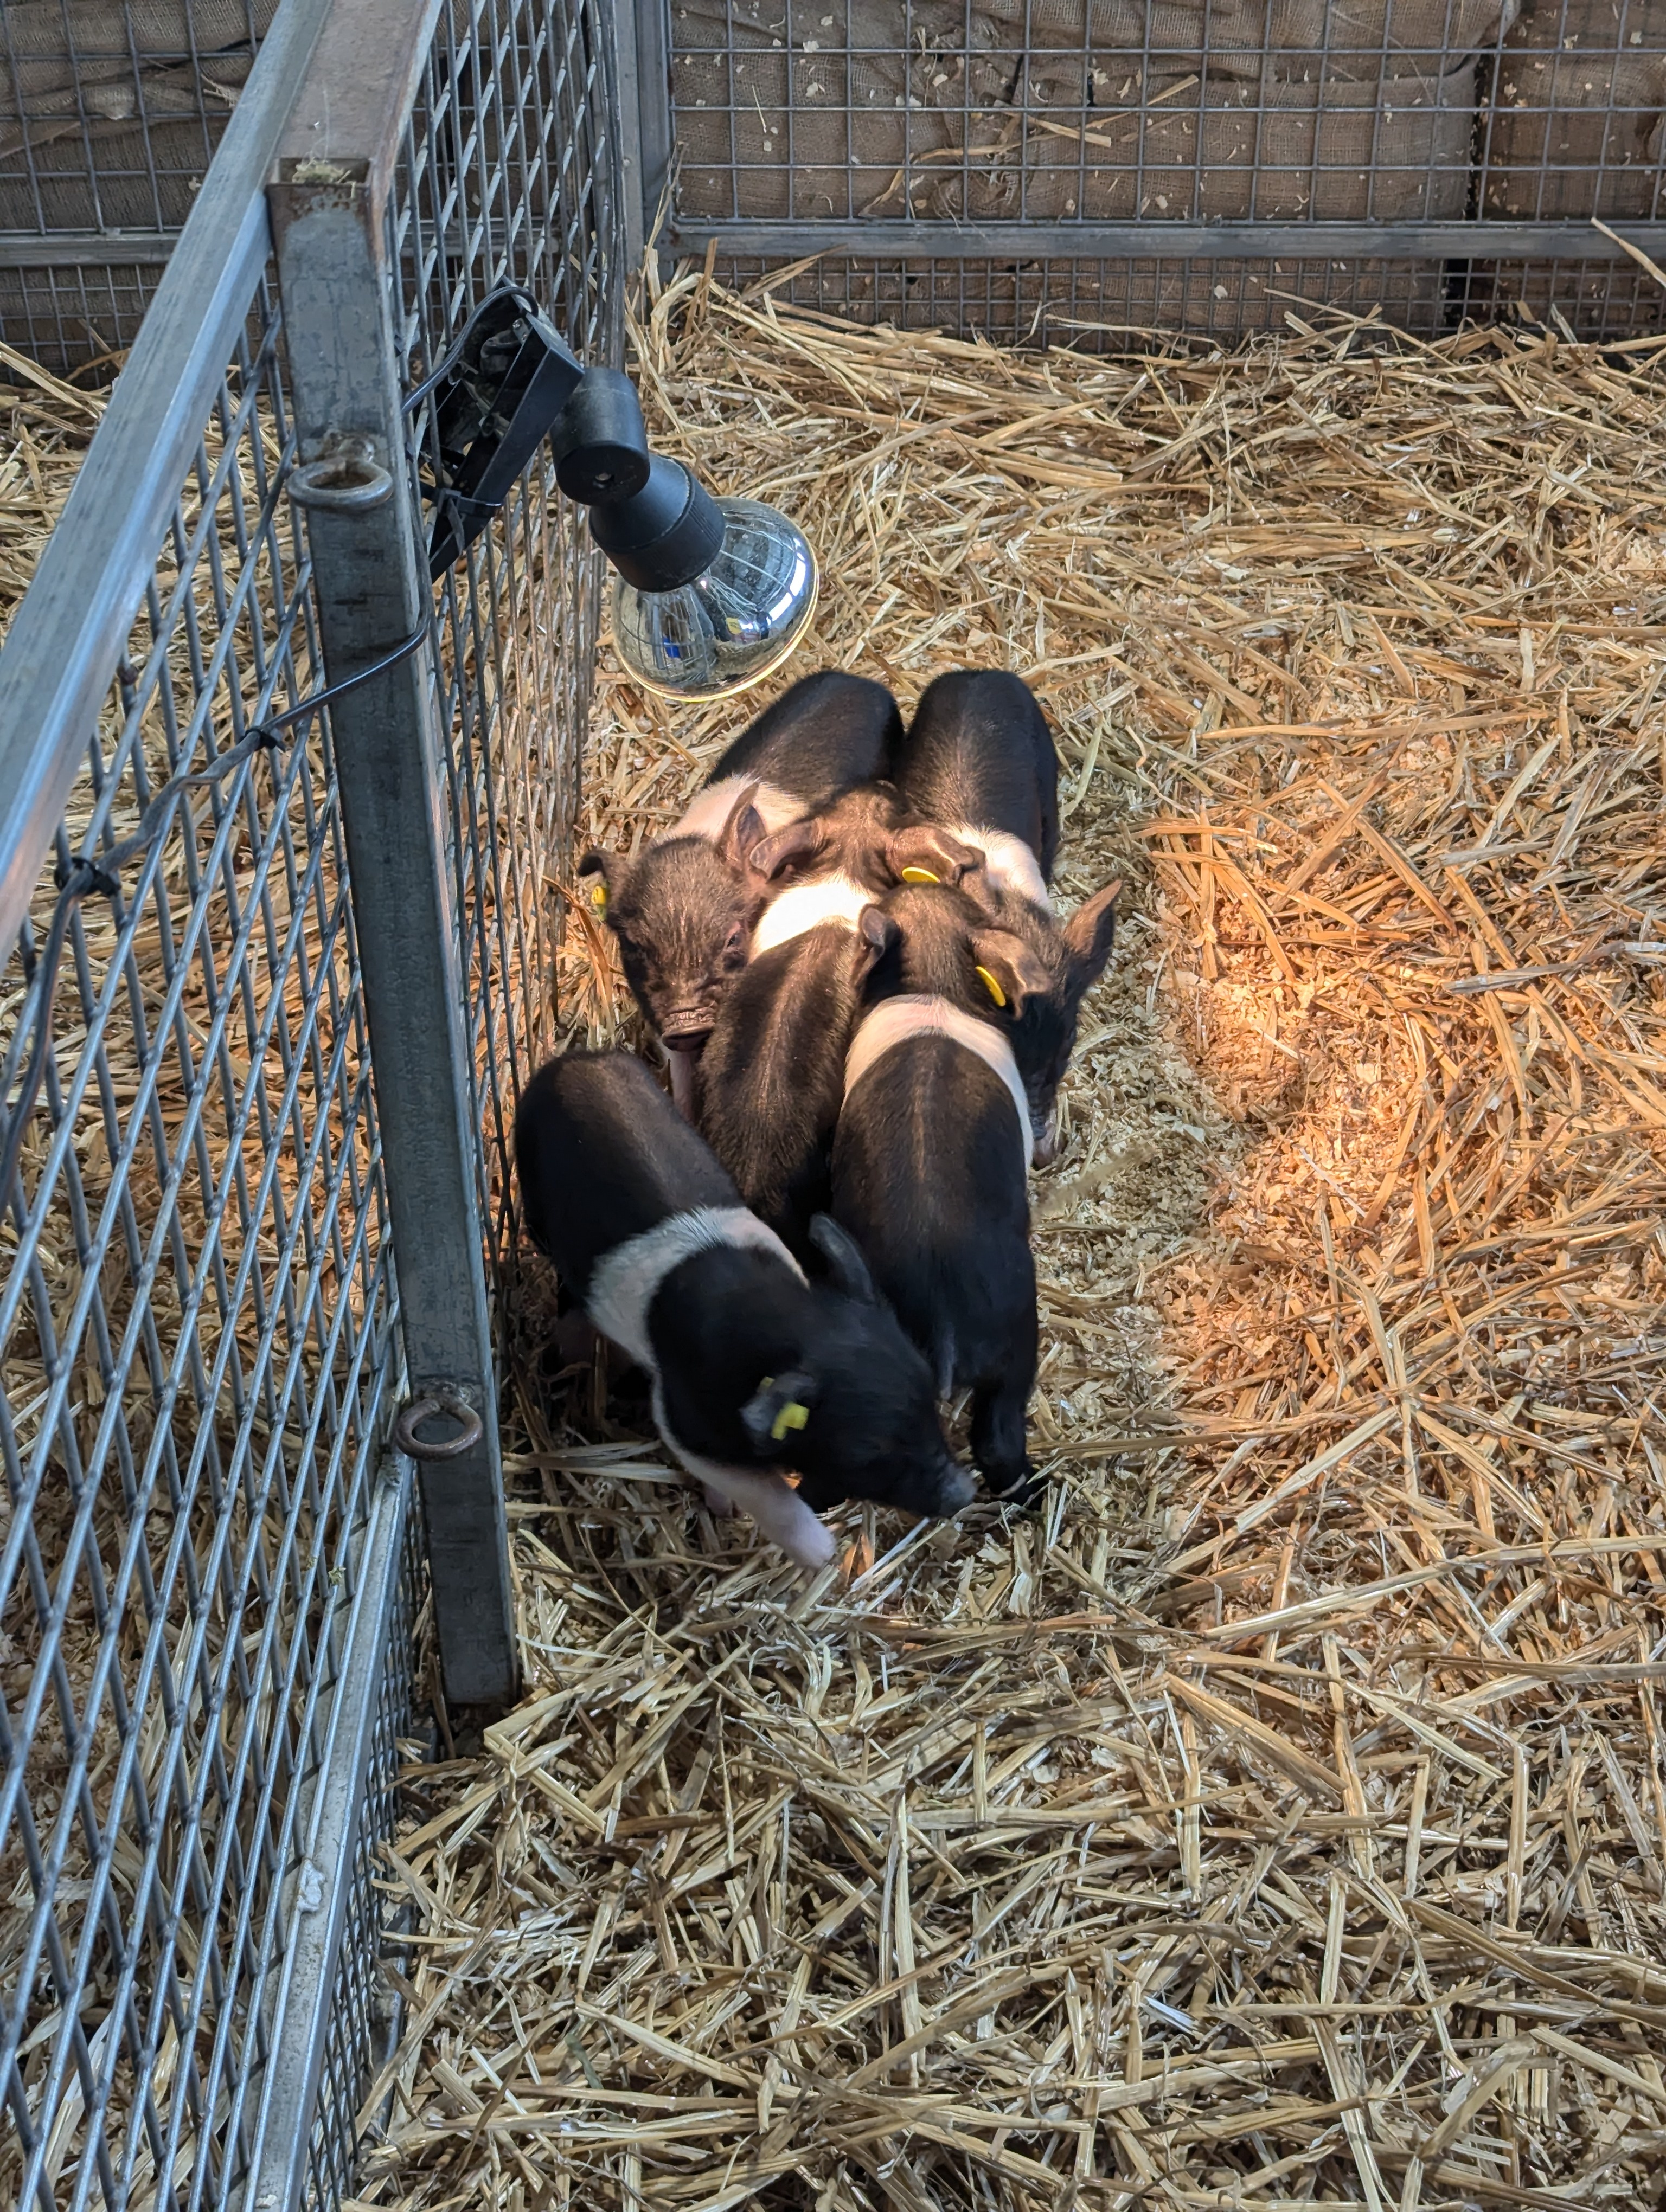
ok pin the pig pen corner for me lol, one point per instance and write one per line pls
(1279, 1809)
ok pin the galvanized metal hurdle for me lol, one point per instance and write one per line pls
(278, 959)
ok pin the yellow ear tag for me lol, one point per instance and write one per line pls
(599, 896)
(791, 1416)
(992, 986)
(920, 876)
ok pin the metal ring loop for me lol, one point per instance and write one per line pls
(343, 484)
(424, 1409)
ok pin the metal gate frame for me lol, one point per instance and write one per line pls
(386, 164)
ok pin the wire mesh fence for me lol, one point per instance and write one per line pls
(109, 119)
(1063, 301)
(209, 1588)
(197, 1315)
(513, 177)
(1460, 146)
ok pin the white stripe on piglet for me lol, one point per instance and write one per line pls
(915, 1014)
(1008, 861)
(710, 809)
(835, 898)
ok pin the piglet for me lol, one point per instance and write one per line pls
(771, 1077)
(930, 1159)
(756, 1372)
(979, 760)
(684, 909)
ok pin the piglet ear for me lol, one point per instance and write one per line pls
(1008, 970)
(602, 877)
(780, 1404)
(877, 933)
(846, 1267)
(1089, 935)
(743, 830)
(798, 841)
(926, 854)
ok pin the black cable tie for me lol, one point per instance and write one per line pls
(80, 877)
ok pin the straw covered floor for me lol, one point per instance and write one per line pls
(1277, 1816)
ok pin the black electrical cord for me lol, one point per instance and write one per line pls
(506, 291)
(99, 875)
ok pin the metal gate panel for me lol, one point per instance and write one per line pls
(1035, 167)
(209, 1566)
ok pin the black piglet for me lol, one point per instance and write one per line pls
(756, 1372)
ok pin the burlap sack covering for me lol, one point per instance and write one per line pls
(1576, 125)
(69, 86)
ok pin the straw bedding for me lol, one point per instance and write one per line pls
(1277, 1816)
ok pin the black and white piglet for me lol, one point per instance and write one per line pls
(930, 1159)
(683, 911)
(771, 1077)
(979, 760)
(756, 1371)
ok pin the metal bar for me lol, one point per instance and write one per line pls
(882, 240)
(373, 590)
(86, 249)
(625, 25)
(354, 103)
(65, 638)
(651, 22)
(317, 1894)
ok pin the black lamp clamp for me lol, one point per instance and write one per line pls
(506, 384)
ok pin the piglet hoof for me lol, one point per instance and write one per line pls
(1022, 1490)
(719, 1507)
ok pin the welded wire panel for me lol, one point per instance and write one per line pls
(1102, 304)
(1048, 109)
(195, 1320)
(109, 118)
(110, 114)
(365, 2013)
(69, 317)
(1053, 113)
(510, 173)
(1585, 300)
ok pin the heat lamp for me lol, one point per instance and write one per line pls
(709, 595)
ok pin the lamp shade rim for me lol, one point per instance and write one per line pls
(786, 646)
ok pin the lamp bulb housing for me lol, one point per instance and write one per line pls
(723, 625)
(665, 535)
(600, 442)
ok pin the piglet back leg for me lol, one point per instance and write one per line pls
(719, 1507)
(998, 1442)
